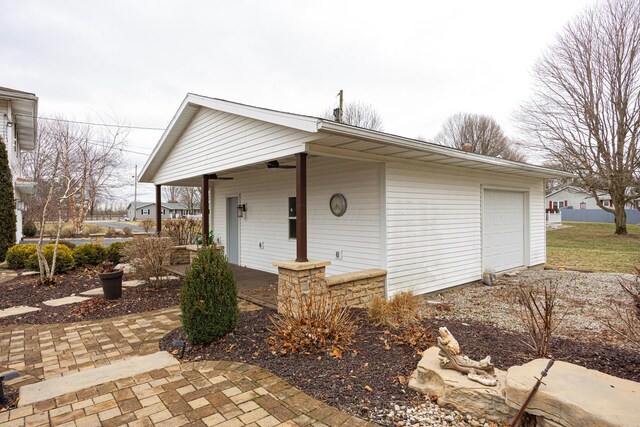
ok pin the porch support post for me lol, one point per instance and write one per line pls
(301, 207)
(158, 209)
(204, 208)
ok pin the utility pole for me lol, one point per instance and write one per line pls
(135, 193)
(341, 110)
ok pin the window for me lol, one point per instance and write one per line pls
(555, 205)
(292, 217)
(561, 204)
(583, 205)
(145, 211)
(162, 211)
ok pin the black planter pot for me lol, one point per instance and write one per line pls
(111, 284)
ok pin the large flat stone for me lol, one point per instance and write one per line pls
(453, 388)
(76, 381)
(94, 291)
(18, 309)
(575, 396)
(64, 301)
(132, 283)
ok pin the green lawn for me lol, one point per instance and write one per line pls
(592, 246)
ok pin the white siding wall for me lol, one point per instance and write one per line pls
(434, 224)
(216, 141)
(266, 193)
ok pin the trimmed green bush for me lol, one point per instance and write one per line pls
(64, 260)
(89, 254)
(29, 228)
(18, 255)
(209, 297)
(67, 243)
(114, 252)
(7, 204)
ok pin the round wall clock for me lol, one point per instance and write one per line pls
(338, 204)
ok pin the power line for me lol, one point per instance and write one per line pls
(95, 124)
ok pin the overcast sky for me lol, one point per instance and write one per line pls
(416, 62)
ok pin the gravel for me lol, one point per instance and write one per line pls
(427, 414)
(583, 299)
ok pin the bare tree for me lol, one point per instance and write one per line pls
(483, 133)
(358, 114)
(190, 197)
(171, 193)
(585, 110)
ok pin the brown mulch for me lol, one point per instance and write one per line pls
(26, 290)
(10, 398)
(376, 367)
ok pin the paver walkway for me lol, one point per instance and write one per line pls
(225, 394)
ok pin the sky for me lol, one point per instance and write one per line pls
(415, 62)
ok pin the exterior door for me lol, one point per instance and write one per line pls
(233, 241)
(503, 236)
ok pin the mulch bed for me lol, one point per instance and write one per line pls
(26, 290)
(375, 369)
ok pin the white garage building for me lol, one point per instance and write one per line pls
(431, 216)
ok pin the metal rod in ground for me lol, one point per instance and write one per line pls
(533, 392)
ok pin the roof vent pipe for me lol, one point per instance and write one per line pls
(467, 148)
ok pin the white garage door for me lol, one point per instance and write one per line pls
(503, 230)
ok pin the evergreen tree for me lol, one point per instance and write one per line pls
(7, 204)
(209, 297)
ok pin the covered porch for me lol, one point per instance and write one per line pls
(255, 286)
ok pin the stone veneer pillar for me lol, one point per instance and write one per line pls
(307, 274)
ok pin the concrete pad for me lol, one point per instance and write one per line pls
(132, 283)
(64, 301)
(29, 273)
(575, 396)
(76, 381)
(94, 291)
(19, 309)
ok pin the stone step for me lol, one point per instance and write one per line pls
(64, 301)
(76, 381)
(18, 309)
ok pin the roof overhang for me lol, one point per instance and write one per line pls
(385, 145)
(24, 109)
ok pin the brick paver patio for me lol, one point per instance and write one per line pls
(225, 394)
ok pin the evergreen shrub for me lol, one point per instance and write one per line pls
(7, 204)
(64, 260)
(114, 252)
(18, 255)
(209, 297)
(89, 254)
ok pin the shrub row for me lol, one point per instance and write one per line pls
(25, 256)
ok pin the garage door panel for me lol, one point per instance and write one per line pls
(503, 230)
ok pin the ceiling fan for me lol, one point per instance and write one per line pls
(215, 176)
(274, 164)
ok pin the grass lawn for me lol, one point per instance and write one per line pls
(591, 246)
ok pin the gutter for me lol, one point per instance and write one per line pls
(403, 142)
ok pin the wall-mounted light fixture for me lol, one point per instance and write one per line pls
(241, 210)
(8, 122)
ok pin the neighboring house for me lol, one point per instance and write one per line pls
(147, 210)
(18, 118)
(433, 217)
(576, 198)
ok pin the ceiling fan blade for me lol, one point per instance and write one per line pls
(274, 164)
(224, 178)
(215, 176)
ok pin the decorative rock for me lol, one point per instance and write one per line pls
(64, 301)
(19, 309)
(154, 279)
(126, 268)
(453, 388)
(575, 396)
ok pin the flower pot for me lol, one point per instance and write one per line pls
(111, 284)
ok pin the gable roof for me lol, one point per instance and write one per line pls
(446, 155)
(24, 106)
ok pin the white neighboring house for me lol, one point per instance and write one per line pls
(18, 118)
(432, 216)
(147, 210)
(576, 198)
